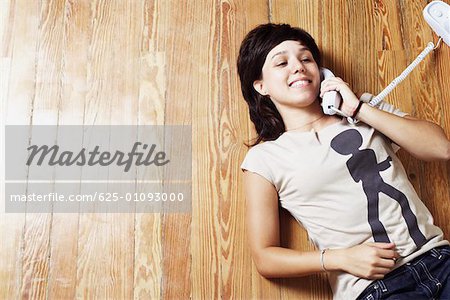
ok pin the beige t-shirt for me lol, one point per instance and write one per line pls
(327, 186)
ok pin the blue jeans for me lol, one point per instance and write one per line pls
(425, 277)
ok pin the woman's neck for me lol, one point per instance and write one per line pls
(305, 119)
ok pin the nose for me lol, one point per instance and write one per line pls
(297, 66)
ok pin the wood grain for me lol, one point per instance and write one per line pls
(17, 79)
(148, 269)
(45, 105)
(64, 233)
(105, 262)
(154, 62)
(233, 122)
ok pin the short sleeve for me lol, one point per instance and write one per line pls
(254, 162)
(393, 110)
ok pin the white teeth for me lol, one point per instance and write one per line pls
(299, 83)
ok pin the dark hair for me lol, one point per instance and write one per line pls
(253, 52)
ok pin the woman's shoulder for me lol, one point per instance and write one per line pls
(264, 147)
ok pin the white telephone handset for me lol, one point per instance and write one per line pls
(330, 100)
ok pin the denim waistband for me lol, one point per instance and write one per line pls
(436, 252)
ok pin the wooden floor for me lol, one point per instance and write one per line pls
(173, 62)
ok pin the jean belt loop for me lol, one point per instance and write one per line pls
(382, 286)
(435, 253)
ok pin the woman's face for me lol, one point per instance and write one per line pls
(290, 76)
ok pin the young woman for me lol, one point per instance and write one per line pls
(343, 183)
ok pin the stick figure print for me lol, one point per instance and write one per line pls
(363, 166)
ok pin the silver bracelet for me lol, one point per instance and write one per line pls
(322, 252)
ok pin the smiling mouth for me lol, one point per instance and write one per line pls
(299, 83)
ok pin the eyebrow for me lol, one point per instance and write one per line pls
(302, 49)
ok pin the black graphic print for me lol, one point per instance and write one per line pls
(363, 166)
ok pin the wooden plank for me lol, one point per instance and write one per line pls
(9, 242)
(6, 26)
(300, 13)
(362, 47)
(156, 275)
(20, 40)
(388, 25)
(334, 37)
(236, 264)
(64, 234)
(148, 272)
(36, 238)
(181, 24)
(106, 240)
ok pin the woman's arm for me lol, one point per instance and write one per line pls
(424, 140)
(371, 260)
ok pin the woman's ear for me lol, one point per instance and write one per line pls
(259, 87)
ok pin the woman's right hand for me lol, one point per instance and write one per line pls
(369, 260)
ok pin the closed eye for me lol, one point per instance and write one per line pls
(280, 64)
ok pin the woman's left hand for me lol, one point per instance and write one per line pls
(349, 99)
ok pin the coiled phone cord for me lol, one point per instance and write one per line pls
(378, 98)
